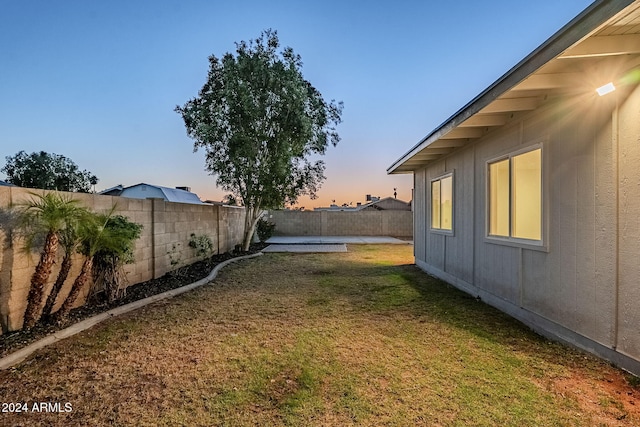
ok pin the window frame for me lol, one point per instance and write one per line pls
(453, 191)
(540, 245)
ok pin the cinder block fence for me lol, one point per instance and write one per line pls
(162, 247)
(328, 223)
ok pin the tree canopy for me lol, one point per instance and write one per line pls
(47, 172)
(259, 122)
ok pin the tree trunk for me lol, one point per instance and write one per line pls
(78, 284)
(250, 221)
(39, 280)
(62, 276)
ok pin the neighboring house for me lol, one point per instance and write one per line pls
(334, 207)
(529, 196)
(386, 204)
(6, 184)
(147, 191)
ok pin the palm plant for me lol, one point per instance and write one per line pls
(97, 235)
(45, 216)
(92, 235)
(69, 241)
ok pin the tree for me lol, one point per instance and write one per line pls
(230, 200)
(259, 120)
(44, 216)
(47, 172)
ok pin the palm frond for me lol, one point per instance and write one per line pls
(46, 213)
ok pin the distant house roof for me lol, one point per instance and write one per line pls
(386, 204)
(334, 207)
(146, 191)
(113, 191)
(6, 184)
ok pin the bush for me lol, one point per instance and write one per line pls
(202, 244)
(265, 229)
(117, 244)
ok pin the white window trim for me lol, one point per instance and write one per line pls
(539, 245)
(453, 204)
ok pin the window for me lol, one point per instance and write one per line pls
(515, 196)
(442, 203)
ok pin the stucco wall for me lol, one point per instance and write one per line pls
(583, 285)
(328, 223)
(162, 247)
(628, 162)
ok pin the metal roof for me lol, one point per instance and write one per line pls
(575, 60)
(179, 196)
(169, 194)
(113, 191)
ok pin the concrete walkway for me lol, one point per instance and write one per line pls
(306, 248)
(320, 240)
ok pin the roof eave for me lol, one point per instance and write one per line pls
(576, 30)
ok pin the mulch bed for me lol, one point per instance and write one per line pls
(183, 276)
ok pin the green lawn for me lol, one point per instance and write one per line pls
(362, 338)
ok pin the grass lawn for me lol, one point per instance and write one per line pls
(362, 338)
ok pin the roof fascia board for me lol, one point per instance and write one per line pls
(576, 30)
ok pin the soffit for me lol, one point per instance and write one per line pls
(612, 47)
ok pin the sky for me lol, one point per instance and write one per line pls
(98, 81)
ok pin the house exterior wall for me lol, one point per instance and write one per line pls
(163, 245)
(583, 285)
(420, 223)
(628, 134)
(329, 223)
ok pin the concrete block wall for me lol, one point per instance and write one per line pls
(172, 227)
(231, 226)
(6, 261)
(163, 245)
(342, 223)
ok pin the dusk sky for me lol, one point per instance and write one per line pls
(98, 81)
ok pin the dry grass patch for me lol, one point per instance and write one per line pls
(362, 338)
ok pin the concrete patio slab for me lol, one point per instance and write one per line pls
(319, 240)
(306, 248)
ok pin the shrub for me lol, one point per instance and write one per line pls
(202, 244)
(116, 249)
(265, 229)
